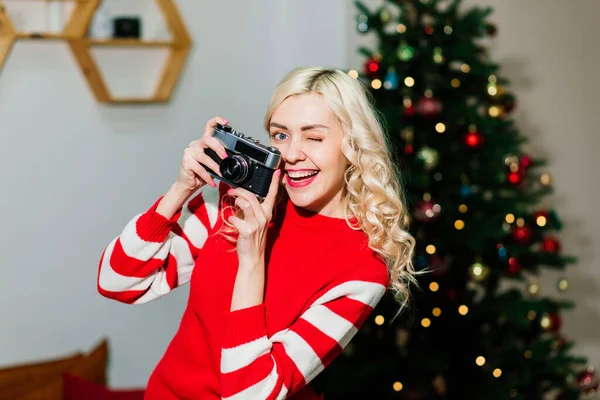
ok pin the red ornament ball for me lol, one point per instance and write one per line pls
(514, 267)
(372, 67)
(516, 178)
(522, 234)
(429, 107)
(409, 111)
(525, 161)
(473, 139)
(550, 245)
(408, 149)
(588, 381)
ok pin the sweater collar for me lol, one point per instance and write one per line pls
(300, 217)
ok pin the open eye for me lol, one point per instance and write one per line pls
(279, 136)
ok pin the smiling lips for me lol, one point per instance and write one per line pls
(300, 178)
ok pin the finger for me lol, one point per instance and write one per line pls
(269, 201)
(246, 207)
(211, 124)
(200, 156)
(216, 146)
(251, 199)
(196, 168)
(243, 228)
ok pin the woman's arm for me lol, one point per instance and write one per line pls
(156, 251)
(255, 366)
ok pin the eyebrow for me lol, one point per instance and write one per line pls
(304, 128)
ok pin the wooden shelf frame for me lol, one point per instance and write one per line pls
(75, 34)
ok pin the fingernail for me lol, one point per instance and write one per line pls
(224, 155)
(213, 184)
(225, 121)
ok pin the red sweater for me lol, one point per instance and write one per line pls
(322, 282)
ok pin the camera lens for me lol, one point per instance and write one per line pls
(235, 168)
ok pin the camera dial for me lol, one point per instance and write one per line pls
(235, 168)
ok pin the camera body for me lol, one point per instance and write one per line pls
(249, 165)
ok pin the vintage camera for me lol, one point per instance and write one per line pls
(249, 165)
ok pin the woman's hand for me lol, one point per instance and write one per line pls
(252, 228)
(192, 175)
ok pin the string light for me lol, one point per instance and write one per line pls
(480, 361)
(376, 84)
(434, 286)
(494, 111)
(430, 249)
(398, 386)
(455, 83)
(463, 310)
(425, 322)
(353, 73)
(401, 28)
(459, 224)
(409, 81)
(436, 312)
(528, 354)
(497, 373)
(510, 218)
(541, 220)
(379, 320)
(440, 127)
(463, 208)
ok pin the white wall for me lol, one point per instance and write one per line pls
(73, 172)
(549, 51)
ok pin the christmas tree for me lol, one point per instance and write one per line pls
(480, 326)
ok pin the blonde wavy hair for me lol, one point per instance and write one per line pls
(373, 194)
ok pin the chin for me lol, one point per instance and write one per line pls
(303, 200)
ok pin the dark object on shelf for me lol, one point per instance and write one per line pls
(127, 27)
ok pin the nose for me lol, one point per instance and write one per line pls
(294, 152)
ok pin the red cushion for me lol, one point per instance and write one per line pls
(77, 388)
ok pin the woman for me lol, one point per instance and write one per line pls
(277, 288)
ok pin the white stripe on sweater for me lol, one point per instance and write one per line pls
(339, 329)
(301, 353)
(238, 357)
(112, 281)
(366, 292)
(134, 246)
(260, 390)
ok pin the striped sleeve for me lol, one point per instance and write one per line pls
(255, 366)
(153, 255)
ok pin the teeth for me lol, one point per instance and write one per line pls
(301, 174)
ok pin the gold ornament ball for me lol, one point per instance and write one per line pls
(563, 284)
(546, 179)
(429, 156)
(479, 272)
(533, 288)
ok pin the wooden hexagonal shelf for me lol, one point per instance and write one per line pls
(178, 47)
(7, 35)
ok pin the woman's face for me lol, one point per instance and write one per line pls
(309, 137)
